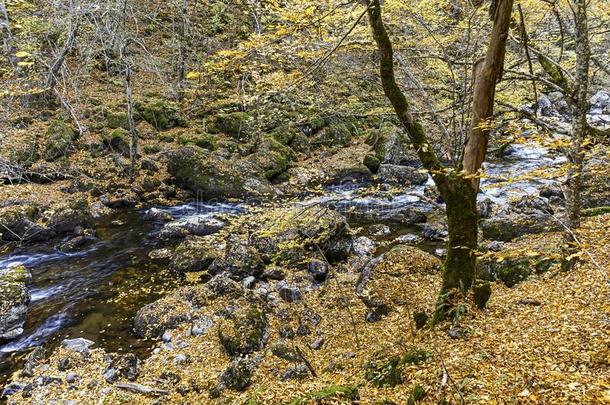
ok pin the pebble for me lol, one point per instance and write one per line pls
(70, 378)
(78, 345)
(248, 282)
(111, 375)
(167, 336)
(180, 358)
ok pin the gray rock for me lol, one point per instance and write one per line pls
(71, 378)
(317, 344)
(78, 345)
(32, 360)
(156, 214)
(248, 282)
(111, 375)
(160, 254)
(199, 226)
(180, 359)
(401, 175)
(167, 336)
(239, 261)
(318, 270)
(409, 238)
(298, 372)
(238, 374)
(273, 273)
(288, 293)
(363, 246)
(601, 100)
(201, 326)
(379, 230)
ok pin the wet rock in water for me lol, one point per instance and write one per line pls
(213, 177)
(77, 345)
(409, 238)
(14, 300)
(290, 235)
(318, 270)
(238, 374)
(528, 215)
(66, 220)
(401, 175)
(77, 243)
(245, 331)
(380, 283)
(289, 293)
(156, 214)
(199, 226)
(379, 230)
(196, 254)
(240, 260)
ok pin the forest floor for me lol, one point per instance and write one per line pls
(546, 340)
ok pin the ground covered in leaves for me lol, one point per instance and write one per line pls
(546, 340)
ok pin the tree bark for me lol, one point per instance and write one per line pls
(580, 104)
(485, 91)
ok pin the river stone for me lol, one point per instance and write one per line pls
(197, 253)
(77, 345)
(528, 215)
(156, 214)
(19, 223)
(213, 177)
(380, 283)
(245, 331)
(240, 260)
(199, 226)
(288, 236)
(401, 175)
(66, 220)
(14, 300)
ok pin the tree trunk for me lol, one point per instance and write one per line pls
(485, 92)
(462, 219)
(573, 184)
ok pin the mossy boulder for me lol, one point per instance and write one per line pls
(335, 134)
(21, 149)
(196, 254)
(272, 158)
(300, 143)
(14, 299)
(161, 114)
(60, 137)
(513, 268)
(118, 141)
(390, 145)
(245, 331)
(240, 260)
(236, 124)
(21, 223)
(213, 177)
(238, 374)
(384, 372)
(284, 134)
(371, 162)
(481, 293)
(203, 140)
(291, 235)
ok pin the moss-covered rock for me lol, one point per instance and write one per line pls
(21, 149)
(240, 260)
(213, 177)
(203, 140)
(272, 158)
(371, 162)
(481, 293)
(118, 141)
(161, 114)
(330, 394)
(511, 270)
(235, 124)
(116, 120)
(284, 134)
(335, 134)
(60, 137)
(196, 254)
(418, 393)
(21, 223)
(245, 331)
(290, 235)
(14, 299)
(300, 143)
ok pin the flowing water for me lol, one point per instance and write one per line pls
(95, 293)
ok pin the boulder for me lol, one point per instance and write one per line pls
(245, 331)
(238, 374)
(194, 225)
(196, 254)
(526, 216)
(272, 158)
(118, 141)
(66, 220)
(14, 300)
(161, 114)
(290, 235)
(401, 175)
(240, 260)
(60, 137)
(213, 177)
(20, 223)
(238, 125)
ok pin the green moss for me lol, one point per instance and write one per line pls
(151, 149)
(371, 162)
(384, 373)
(203, 140)
(591, 212)
(118, 141)
(235, 124)
(245, 332)
(60, 137)
(272, 157)
(330, 394)
(117, 120)
(418, 393)
(300, 143)
(284, 134)
(161, 114)
(416, 356)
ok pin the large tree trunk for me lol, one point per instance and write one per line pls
(573, 184)
(484, 94)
